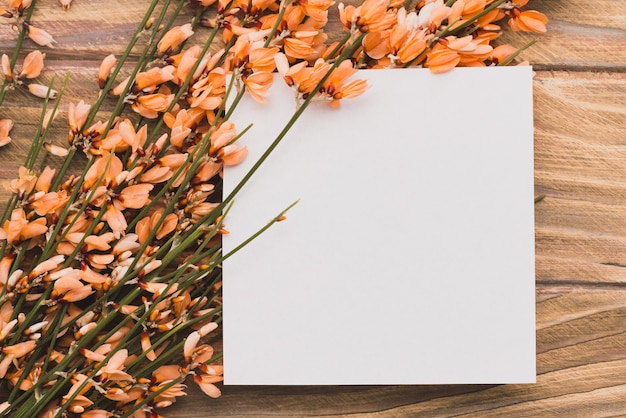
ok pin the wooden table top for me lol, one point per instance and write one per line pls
(580, 166)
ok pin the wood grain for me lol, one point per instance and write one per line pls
(580, 165)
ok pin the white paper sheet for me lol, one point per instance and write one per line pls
(410, 256)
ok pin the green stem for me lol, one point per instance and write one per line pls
(251, 238)
(279, 20)
(94, 109)
(516, 53)
(18, 48)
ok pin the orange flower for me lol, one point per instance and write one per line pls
(68, 289)
(93, 174)
(24, 183)
(371, 16)
(146, 346)
(432, 14)
(39, 36)
(5, 128)
(45, 179)
(316, 10)
(206, 381)
(6, 67)
(173, 38)
(297, 48)
(233, 154)
(451, 51)
(148, 81)
(4, 367)
(48, 203)
(135, 196)
(206, 172)
(134, 139)
(181, 125)
(336, 88)
(527, 21)
(104, 72)
(150, 105)
(19, 4)
(185, 61)
(207, 92)
(413, 47)
(113, 369)
(257, 85)
(502, 53)
(146, 225)
(377, 44)
(222, 136)
(20, 349)
(33, 64)
(77, 115)
(262, 59)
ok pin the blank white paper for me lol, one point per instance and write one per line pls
(410, 256)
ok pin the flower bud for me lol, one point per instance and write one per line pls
(6, 67)
(33, 64)
(105, 70)
(40, 90)
(39, 36)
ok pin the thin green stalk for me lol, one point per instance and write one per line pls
(234, 104)
(57, 319)
(251, 238)
(278, 22)
(50, 395)
(340, 45)
(38, 139)
(18, 48)
(58, 178)
(34, 356)
(94, 109)
(17, 263)
(516, 53)
(167, 25)
(60, 224)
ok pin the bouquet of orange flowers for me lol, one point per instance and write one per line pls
(110, 264)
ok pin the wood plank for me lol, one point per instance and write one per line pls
(580, 161)
(580, 124)
(579, 36)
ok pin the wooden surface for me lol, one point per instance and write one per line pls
(580, 165)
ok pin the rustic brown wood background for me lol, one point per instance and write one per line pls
(580, 166)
